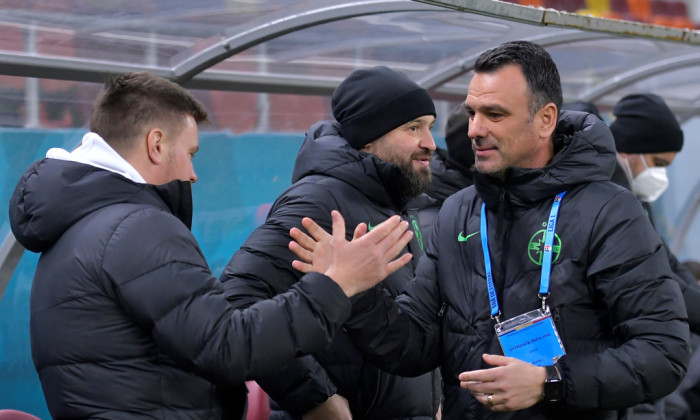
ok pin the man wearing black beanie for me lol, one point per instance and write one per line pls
(368, 164)
(648, 138)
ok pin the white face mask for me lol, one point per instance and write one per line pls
(649, 184)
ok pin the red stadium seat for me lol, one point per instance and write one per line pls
(258, 402)
(677, 8)
(640, 9)
(16, 415)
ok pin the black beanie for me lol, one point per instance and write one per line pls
(645, 124)
(371, 102)
(582, 106)
(460, 155)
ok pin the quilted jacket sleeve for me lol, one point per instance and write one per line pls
(262, 269)
(401, 335)
(169, 291)
(631, 274)
(690, 289)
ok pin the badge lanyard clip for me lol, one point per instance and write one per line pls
(546, 258)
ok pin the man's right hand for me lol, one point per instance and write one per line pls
(355, 265)
(334, 408)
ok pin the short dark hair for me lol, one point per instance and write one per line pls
(539, 69)
(131, 101)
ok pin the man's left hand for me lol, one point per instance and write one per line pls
(510, 385)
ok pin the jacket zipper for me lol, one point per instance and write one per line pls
(556, 317)
(376, 393)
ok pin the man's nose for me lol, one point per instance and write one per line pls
(427, 141)
(476, 128)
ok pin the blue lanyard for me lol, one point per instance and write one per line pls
(546, 256)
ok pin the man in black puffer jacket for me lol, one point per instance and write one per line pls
(367, 165)
(610, 296)
(648, 138)
(127, 321)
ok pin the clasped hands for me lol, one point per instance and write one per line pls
(355, 265)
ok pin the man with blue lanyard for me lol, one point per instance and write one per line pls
(544, 292)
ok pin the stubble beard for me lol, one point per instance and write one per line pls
(497, 172)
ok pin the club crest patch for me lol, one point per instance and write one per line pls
(536, 247)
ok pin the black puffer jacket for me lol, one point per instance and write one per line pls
(687, 282)
(329, 174)
(126, 319)
(620, 316)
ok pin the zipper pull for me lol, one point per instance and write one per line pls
(443, 308)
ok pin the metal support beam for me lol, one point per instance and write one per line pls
(443, 74)
(191, 62)
(83, 70)
(77, 69)
(654, 67)
(551, 17)
(10, 254)
(31, 85)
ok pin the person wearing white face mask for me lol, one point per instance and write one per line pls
(651, 182)
(648, 138)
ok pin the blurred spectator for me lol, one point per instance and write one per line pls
(451, 169)
(648, 138)
(582, 106)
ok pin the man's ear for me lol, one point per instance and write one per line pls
(548, 120)
(154, 144)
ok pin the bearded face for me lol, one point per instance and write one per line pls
(409, 147)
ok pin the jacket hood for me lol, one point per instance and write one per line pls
(584, 153)
(54, 194)
(325, 152)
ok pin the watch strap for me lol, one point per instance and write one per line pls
(553, 384)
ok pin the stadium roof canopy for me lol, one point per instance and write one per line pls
(308, 46)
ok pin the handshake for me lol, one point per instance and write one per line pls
(355, 265)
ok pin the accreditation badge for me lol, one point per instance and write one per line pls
(531, 337)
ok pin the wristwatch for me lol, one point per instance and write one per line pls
(552, 384)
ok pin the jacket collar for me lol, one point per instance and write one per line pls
(584, 153)
(325, 152)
